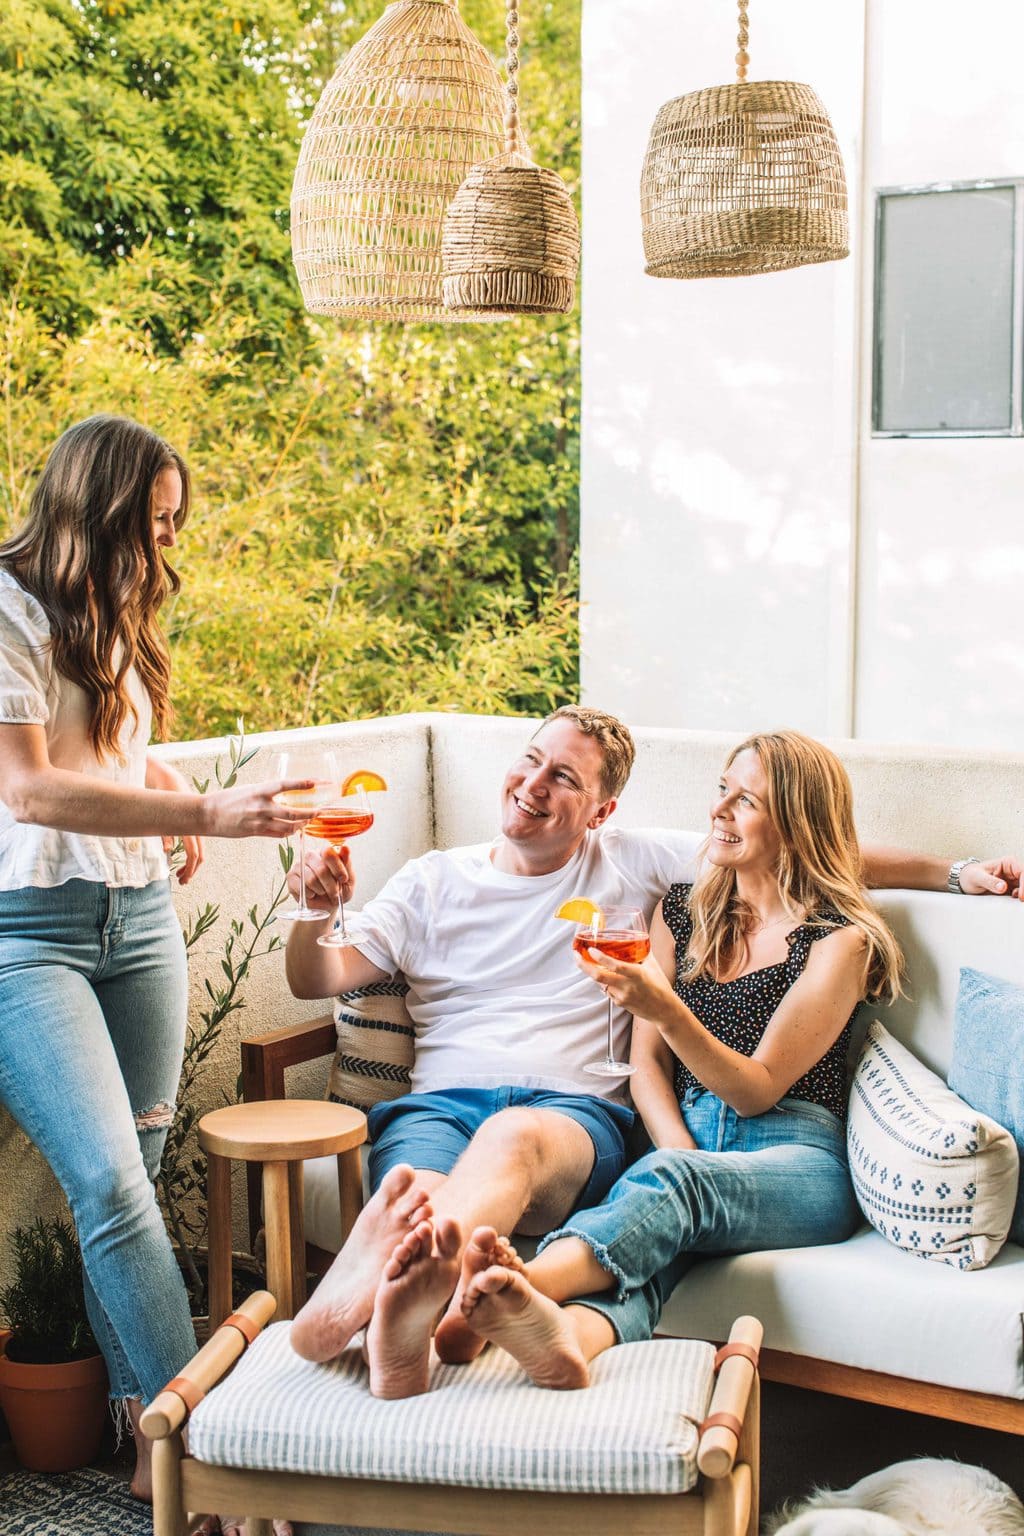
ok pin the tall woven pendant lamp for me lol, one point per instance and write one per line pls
(414, 104)
(742, 178)
(511, 241)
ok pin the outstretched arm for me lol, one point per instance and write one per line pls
(885, 867)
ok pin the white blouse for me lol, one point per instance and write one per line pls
(32, 692)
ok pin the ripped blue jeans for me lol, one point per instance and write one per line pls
(93, 999)
(777, 1180)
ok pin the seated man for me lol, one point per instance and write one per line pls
(503, 1128)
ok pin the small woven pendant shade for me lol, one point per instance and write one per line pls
(742, 178)
(413, 105)
(511, 241)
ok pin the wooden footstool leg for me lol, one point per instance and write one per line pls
(350, 1188)
(276, 1214)
(297, 1227)
(219, 1237)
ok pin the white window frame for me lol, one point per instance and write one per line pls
(1016, 426)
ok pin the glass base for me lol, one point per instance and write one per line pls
(336, 939)
(301, 915)
(610, 1068)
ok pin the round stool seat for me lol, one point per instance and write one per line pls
(282, 1129)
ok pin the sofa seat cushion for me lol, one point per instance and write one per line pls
(867, 1304)
(635, 1429)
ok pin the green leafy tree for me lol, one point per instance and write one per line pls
(386, 516)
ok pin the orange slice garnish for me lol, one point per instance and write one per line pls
(580, 910)
(363, 778)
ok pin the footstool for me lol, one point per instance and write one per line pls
(664, 1439)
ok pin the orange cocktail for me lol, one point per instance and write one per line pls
(631, 947)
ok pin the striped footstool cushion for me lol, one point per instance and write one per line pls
(634, 1430)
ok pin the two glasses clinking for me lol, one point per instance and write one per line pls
(339, 808)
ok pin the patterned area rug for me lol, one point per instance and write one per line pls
(84, 1503)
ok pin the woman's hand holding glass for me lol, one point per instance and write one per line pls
(253, 810)
(639, 988)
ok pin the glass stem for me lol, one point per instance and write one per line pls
(302, 869)
(611, 1053)
(341, 910)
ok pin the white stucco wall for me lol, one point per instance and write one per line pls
(750, 556)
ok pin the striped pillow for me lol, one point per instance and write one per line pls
(376, 1040)
(932, 1175)
(485, 1425)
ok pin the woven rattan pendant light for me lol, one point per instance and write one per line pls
(414, 104)
(511, 242)
(742, 178)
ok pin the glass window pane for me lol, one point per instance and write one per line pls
(945, 307)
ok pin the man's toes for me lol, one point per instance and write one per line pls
(397, 1180)
(447, 1238)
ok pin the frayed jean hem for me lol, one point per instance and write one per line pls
(600, 1253)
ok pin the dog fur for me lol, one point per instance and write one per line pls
(926, 1497)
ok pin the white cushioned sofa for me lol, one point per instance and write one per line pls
(861, 1318)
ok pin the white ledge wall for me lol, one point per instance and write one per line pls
(444, 774)
(750, 555)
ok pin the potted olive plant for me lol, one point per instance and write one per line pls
(53, 1381)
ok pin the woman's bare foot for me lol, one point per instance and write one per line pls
(418, 1281)
(502, 1306)
(455, 1341)
(343, 1301)
(234, 1525)
(142, 1477)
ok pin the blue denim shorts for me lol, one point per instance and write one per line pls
(432, 1130)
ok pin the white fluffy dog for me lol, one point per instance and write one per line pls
(912, 1498)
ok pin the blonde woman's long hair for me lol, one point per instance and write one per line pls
(810, 803)
(88, 555)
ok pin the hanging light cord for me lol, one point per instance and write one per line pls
(742, 39)
(512, 86)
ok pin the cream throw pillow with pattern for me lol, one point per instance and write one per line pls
(931, 1174)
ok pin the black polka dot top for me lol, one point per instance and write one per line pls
(737, 1012)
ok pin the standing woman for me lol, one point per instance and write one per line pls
(92, 960)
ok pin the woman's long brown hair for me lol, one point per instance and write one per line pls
(810, 803)
(88, 555)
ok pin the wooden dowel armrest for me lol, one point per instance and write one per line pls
(169, 1410)
(718, 1442)
(266, 1057)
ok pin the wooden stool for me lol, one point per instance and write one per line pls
(280, 1134)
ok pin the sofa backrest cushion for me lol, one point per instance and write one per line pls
(939, 934)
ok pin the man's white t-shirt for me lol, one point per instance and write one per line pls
(494, 990)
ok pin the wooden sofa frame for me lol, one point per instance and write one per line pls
(724, 1503)
(266, 1058)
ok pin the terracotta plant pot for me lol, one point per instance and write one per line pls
(56, 1413)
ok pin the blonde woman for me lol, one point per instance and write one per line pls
(92, 963)
(742, 1025)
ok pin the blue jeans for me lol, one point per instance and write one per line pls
(777, 1180)
(93, 1000)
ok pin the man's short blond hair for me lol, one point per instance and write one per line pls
(611, 736)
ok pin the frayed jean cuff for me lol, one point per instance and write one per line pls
(600, 1253)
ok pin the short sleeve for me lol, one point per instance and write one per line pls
(389, 927)
(24, 656)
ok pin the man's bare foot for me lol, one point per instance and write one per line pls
(502, 1306)
(418, 1281)
(343, 1301)
(455, 1341)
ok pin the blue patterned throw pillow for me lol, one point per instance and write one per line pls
(932, 1175)
(988, 1059)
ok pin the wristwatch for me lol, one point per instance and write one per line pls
(955, 870)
